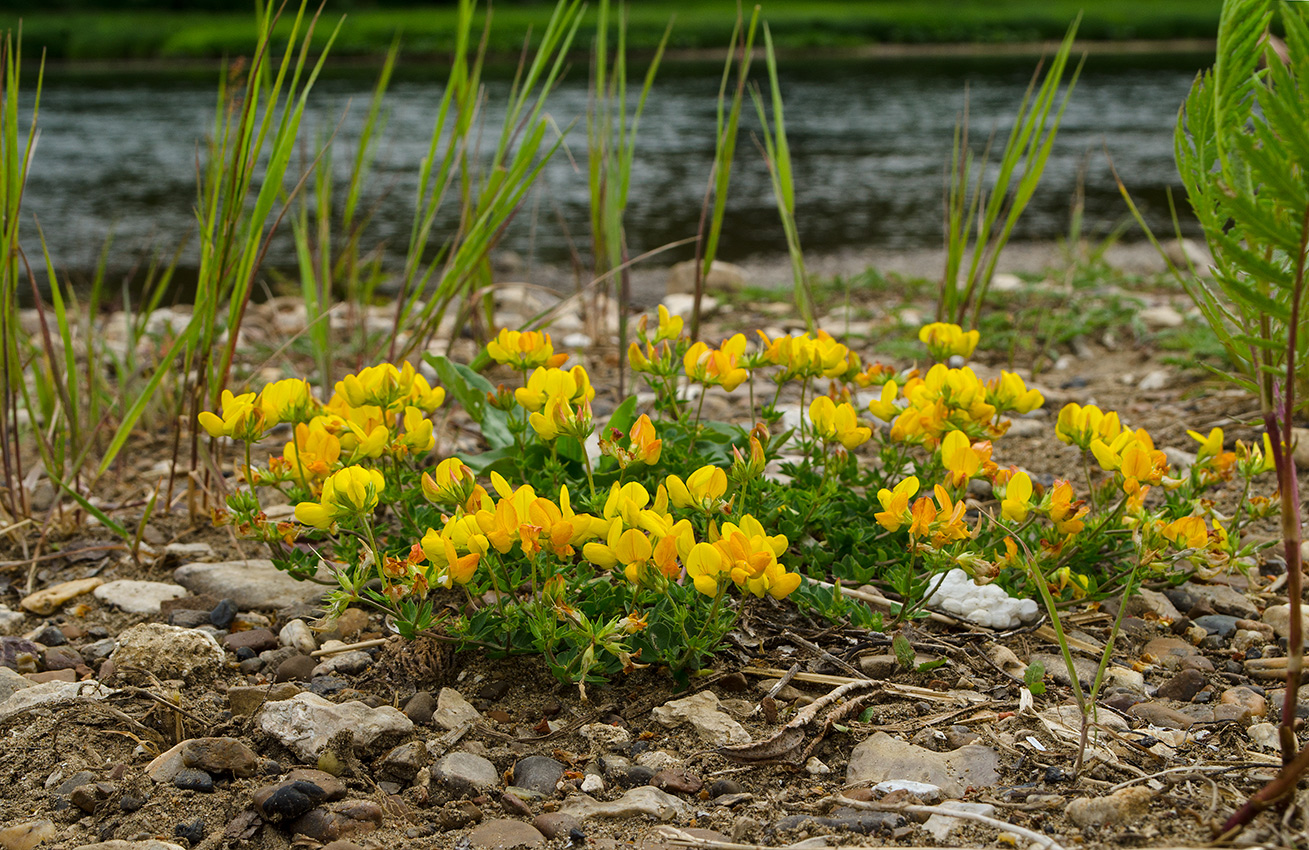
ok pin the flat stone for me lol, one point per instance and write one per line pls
(1279, 617)
(605, 735)
(138, 597)
(453, 711)
(1161, 316)
(940, 826)
(25, 836)
(1159, 604)
(350, 663)
(65, 675)
(253, 584)
(62, 658)
(847, 820)
(1168, 652)
(460, 769)
(306, 722)
(701, 712)
(677, 781)
(1223, 599)
(1252, 705)
(191, 779)
(48, 600)
(1121, 807)
(403, 762)
(1223, 625)
(924, 791)
(19, 654)
(154, 651)
(220, 755)
(92, 796)
(198, 551)
(165, 766)
(50, 693)
(245, 700)
(881, 757)
(505, 834)
(645, 801)
(120, 844)
(1162, 716)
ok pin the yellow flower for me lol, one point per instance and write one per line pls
(1252, 460)
(544, 384)
(1065, 513)
(961, 461)
(895, 504)
(559, 417)
(351, 492)
(1080, 426)
(806, 356)
(670, 327)
(417, 437)
(1189, 532)
(945, 340)
(369, 443)
(382, 386)
(290, 400)
(1009, 393)
(1210, 446)
(242, 419)
(451, 484)
(646, 448)
(717, 366)
(425, 397)
(884, 408)
(313, 452)
(749, 558)
(453, 568)
(524, 350)
(1017, 497)
(837, 423)
(702, 490)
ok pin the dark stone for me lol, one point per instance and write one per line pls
(637, 774)
(187, 618)
(1054, 773)
(327, 685)
(515, 805)
(297, 668)
(19, 654)
(1181, 600)
(192, 832)
(130, 804)
(82, 777)
(191, 779)
(62, 658)
(1222, 625)
(51, 635)
(677, 781)
(288, 800)
(538, 773)
(850, 820)
(223, 614)
(1183, 687)
(89, 798)
(420, 708)
(220, 755)
(493, 691)
(249, 666)
(719, 787)
(204, 602)
(1197, 662)
(734, 683)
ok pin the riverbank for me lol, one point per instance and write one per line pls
(703, 25)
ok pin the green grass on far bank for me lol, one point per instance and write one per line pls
(796, 24)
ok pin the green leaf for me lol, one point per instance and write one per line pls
(623, 417)
(1034, 678)
(470, 390)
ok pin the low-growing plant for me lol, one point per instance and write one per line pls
(606, 547)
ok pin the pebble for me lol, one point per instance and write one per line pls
(645, 801)
(193, 832)
(297, 634)
(351, 622)
(121, 844)
(12, 681)
(556, 824)
(940, 826)
(453, 711)
(504, 834)
(138, 597)
(1122, 806)
(1279, 618)
(52, 692)
(62, 658)
(48, 600)
(1253, 705)
(11, 623)
(343, 819)
(677, 781)
(155, 651)
(815, 767)
(538, 773)
(592, 784)
(306, 722)
(346, 663)
(403, 762)
(256, 640)
(1223, 625)
(420, 708)
(220, 755)
(185, 618)
(90, 797)
(253, 584)
(863, 823)
(606, 736)
(297, 668)
(515, 805)
(1168, 652)
(1162, 716)
(191, 779)
(881, 757)
(457, 814)
(288, 800)
(25, 836)
(96, 650)
(1265, 735)
(701, 712)
(1224, 599)
(461, 770)
(223, 614)
(924, 791)
(1161, 316)
(19, 654)
(1183, 687)
(49, 636)
(198, 551)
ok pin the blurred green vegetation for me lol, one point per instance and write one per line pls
(193, 29)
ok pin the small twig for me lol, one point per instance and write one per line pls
(824, 654)
(363, 644)
(784, 681)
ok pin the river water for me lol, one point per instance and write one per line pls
(870, 139)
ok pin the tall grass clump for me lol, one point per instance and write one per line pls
(241, 185)
(996, 211)
(16, 148)
(490, 189)
(611, 142)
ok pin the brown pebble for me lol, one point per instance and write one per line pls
(256, 640)
(52, 676)
(556, 824)
(505, 834)
(515, 805)
(1184, 686)
(676, 781)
